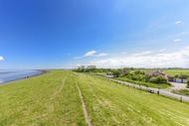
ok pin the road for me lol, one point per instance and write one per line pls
(163, 92)
(178, 86)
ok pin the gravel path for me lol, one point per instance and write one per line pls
(178, 86)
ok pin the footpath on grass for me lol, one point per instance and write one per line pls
(84, 107)
(162, 92)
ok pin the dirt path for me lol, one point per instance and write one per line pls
(86, 114)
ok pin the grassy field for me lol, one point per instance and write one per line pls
(181, 92)
(177, 72)
(53, 99)
(48, 100)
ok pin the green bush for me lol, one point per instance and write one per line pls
(116, 73)
(139, 72)
(158, 80)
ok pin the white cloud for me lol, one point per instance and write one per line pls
(178, 22)
(145, 53)
(101, 55)
(179, 58)
(90, 53)
(177, 40)
(2, 58)
(162, 50)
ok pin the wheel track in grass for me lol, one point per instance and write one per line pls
(60, 88)
(84, 107)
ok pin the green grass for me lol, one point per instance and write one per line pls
(53, 100)
(182, 92)
(148, 84)
(177, 72)
(112, 104)
(48, 100)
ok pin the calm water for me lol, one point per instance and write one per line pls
(11, 75)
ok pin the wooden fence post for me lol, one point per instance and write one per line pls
(181, 99)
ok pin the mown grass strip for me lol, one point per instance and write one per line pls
(112, 104)
(51, 99)
(86, 114)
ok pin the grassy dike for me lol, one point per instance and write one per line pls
(48, 100)
(111, 104)
(53, 99)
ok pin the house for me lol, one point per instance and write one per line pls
(81, 67)
(157, 73)
(91, 67)
(170, 78)
(125, 72)
(178, 80)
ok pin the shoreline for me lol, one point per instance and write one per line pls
(41, 72)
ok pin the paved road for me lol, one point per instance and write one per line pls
(163, 92)
(178, 86)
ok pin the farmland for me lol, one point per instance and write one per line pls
(177, 72)
(55, 99)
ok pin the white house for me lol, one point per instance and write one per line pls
(180, 80)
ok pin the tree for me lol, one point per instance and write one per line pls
(176, 76)
(188, 83)
(139, 72)
(116, 73)
(158, 80)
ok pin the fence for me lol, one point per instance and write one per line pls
(162, 92)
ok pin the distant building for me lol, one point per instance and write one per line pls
(178, 80)
(81, 67)
(125, 71)
(170, 78)
(157, 73)
(91, 67)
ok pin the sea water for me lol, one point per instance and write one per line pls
(11, 75)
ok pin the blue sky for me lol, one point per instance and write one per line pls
(108, 33)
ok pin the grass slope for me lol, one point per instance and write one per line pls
(112, 104)
(53, 100)
(48, 100)
(182, 92)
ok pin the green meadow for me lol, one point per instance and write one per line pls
(177, 72)
(54, 99)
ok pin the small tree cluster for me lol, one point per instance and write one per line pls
(158, 80)
(116, 73)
